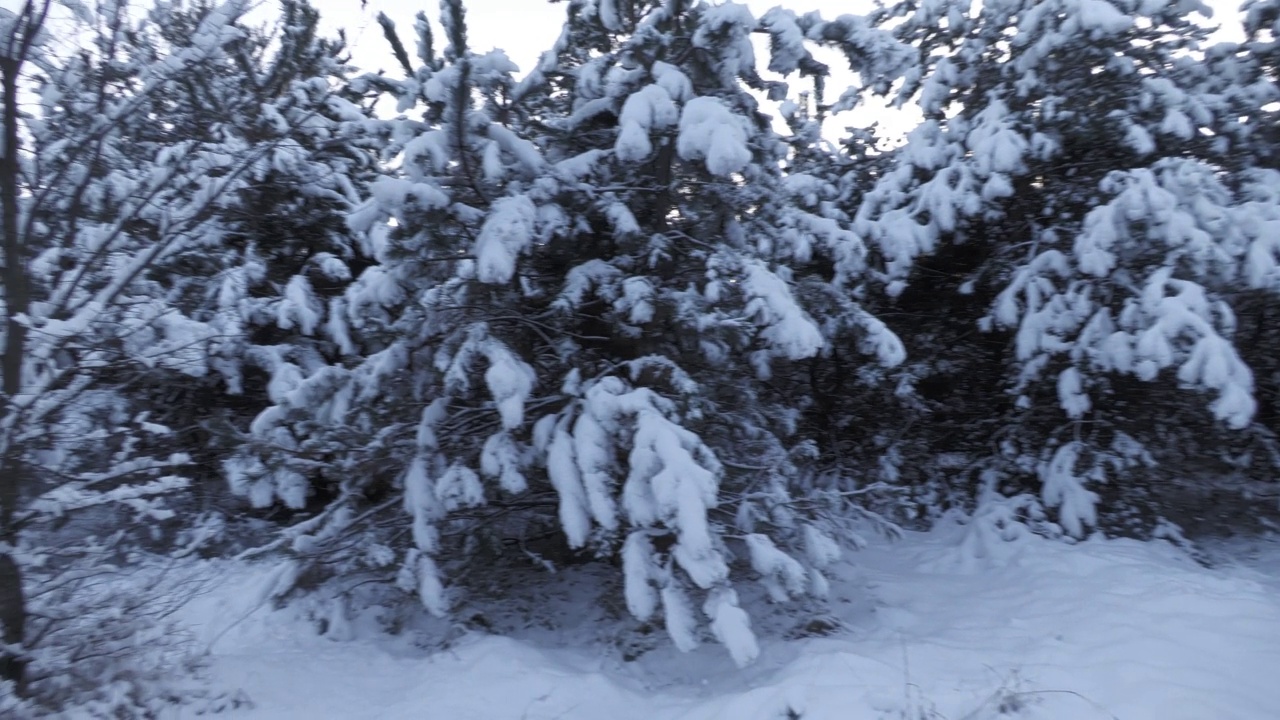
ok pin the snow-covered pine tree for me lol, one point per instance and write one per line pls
(584, 286)
(120, 193)
(281, 252)
(854, 414)
(1238, 83)
(1073, 178)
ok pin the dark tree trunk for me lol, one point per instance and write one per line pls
(13, 616)
(17, 297)
(17, 300)
(13, 609)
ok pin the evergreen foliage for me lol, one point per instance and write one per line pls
(133, 190)
(634, 307)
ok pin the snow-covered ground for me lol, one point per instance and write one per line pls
(1103, 629)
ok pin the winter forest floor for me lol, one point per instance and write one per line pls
(1036, 629)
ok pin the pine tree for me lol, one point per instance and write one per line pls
(1072, 177)
(283, 253)
(585, 285)
(121, 193)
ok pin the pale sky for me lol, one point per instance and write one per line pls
(522, 28)
(525, 28)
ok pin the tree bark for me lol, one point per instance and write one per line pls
(17, 301)
(13, 616)
(13, 609)
(17, 295)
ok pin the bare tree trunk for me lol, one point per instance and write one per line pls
(13, 611)
(14, 50)
(17, 295)
(13, 615)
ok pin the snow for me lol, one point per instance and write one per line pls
(683, 489)
(1064, 490)
(787, 328)
(510, 381)
(678, 614)
(420, 503)
(670, 78)
(1044, 630)
(732, 626)
(636, 301)
(1075, 402)
(788, 52)
(592, 449)
(501, 459)
(459, 487)
(647, 110)
(710, 131)
(996, 146)
(609, 15)
(783, 575)
(562, 469)
(525, 152)
(639, 572)
(298, 307)
(820, 549)
(1103, 16)
(507, 232)
(725, 30)
(430, 589)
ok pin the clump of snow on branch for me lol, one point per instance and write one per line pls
(711, 132)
